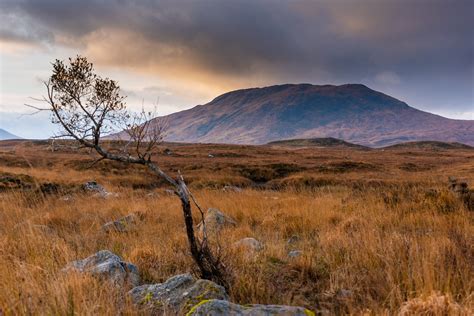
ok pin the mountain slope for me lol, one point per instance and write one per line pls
(351, 112)
(4, 135)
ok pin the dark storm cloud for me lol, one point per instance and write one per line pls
(407, 47)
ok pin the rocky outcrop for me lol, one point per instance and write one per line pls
(177, 295)
(106, 265)
(221, 307)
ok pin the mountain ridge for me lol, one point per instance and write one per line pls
(351, 112)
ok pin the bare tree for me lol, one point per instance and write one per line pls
(87, 108)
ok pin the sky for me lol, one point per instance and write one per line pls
(173, 55)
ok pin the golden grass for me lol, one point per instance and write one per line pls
(366, 249)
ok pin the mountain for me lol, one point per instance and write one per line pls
(352, 112)
(316, 142)
(4, 135)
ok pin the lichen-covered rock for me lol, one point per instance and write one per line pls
(215, 220)
(121, 225)
(177, 295)
(107, 266)
(221, 308)
(249, 243)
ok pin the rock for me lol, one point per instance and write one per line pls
(168, 152)
(231, 188)
(67, 198)
(121, 225)
(249, 243)
(294, 253)
(215, 220)
(99, 190)
(108, 266)
(293, 240)
(210, 155)
(177, 295)
(344, 294)
(217, 307)
(93, 186)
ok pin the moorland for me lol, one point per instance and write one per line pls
(377, 231)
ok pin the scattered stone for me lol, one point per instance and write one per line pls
(99, 190)
(344, 294)
(293, 240)
(121, 225)
(294, 253)
(177, 295)
(249, 243)
(108, 266)
(216, 307)
(231, 188)
(93, 186)
(215, 220)
(67, 198)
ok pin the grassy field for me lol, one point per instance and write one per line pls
(379, 231)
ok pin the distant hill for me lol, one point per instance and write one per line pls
(429, 145)
(4, 135)
(352, 112)
(316, 142)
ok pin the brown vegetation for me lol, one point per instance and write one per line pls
(380, 233)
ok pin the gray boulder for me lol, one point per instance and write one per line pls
(108, 266)
(221, 308)
(121, 225)
(249, 243)
(177, 295)
(215, 220)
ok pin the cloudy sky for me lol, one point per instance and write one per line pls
(177, 54)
